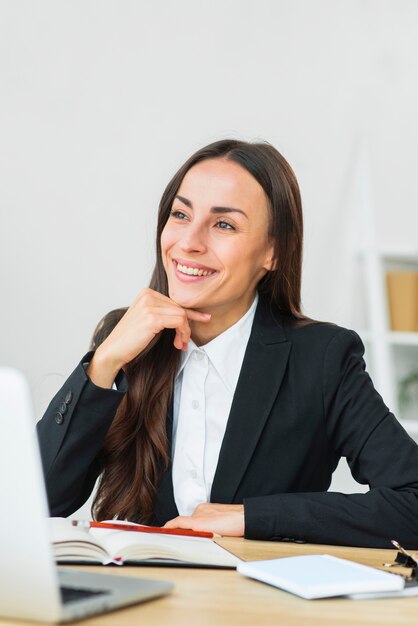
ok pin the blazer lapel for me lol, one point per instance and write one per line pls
(261, 375)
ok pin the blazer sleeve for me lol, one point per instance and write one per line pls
(71, 434)
(379, 452)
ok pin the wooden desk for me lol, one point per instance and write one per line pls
(204, 597)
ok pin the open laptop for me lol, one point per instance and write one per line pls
(31, 585)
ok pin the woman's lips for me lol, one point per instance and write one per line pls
(191, 278)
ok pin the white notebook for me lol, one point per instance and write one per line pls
(321, 576)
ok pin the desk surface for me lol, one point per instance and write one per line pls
(206, 597)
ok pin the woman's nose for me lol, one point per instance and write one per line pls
(193, 239)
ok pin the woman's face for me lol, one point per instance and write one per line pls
(215, 246)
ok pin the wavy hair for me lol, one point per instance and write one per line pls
(135, 452)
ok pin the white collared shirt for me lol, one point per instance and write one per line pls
(203, 392)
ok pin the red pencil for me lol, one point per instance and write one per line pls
(143, 529)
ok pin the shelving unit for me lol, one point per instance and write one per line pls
(392, 354)
(389, 355)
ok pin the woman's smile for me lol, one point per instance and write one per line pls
(189, 271)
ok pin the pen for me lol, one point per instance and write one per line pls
(142, 529)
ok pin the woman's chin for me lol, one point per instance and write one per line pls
(186, 300)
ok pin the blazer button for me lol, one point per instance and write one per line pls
(69, 397)
(59, 418)
(63, 408)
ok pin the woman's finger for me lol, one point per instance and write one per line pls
(182, 521)
(181, 340)
(197, 316)
(156, 296)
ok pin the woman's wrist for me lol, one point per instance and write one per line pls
(103, 369)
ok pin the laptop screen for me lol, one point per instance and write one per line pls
(27, 567)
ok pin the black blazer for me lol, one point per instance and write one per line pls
(303, 401)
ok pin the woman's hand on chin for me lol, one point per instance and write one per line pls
(149, 314)
(222, 519)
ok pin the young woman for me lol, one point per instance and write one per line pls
(212, 403)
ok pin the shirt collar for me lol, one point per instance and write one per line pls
(226, 351)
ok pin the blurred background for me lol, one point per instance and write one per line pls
(102, 101)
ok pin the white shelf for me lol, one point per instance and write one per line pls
(396, 338)
(401, 338)
(402, 255)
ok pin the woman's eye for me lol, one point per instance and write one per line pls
(178, 214)
(225, 225)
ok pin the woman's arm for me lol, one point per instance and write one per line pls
(379, 452)
(71, 434)
(74, 427)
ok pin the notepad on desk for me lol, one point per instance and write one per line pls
(99, 545)
(321, 576)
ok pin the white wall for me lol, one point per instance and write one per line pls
(101, 101)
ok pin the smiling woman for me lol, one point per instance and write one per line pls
(212, 402)
(230, 244)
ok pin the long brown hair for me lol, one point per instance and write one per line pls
(135, 451)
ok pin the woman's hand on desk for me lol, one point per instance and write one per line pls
(222, 519)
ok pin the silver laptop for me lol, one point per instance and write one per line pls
(31, 585)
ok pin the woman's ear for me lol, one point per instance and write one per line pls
(270, 262)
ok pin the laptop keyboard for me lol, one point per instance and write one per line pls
(71, 594)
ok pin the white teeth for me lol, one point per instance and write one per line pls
(193, 271)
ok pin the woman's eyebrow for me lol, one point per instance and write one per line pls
(214, 209)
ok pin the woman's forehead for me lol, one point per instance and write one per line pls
(217, 180)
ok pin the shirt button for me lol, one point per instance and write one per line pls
(199, 355)
(193, 473)
(195, 404)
